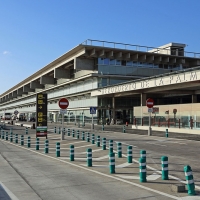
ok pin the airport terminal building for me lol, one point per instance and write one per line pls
(116, 78)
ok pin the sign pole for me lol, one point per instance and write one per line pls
(92, 122)
(62, 132)
(149, 131)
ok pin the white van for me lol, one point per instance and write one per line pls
(7, 116)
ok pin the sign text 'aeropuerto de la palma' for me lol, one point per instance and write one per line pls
(182, 77)
(41, 115)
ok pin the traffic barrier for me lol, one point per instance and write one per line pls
(11, 137)
(6, 135)
(26, 131)
(104, 143)
(88, 137)
(29, 142)
(111, 146)
(129, 154)
(98, 141)
(37, 147)
(73, 133)
(59, 130)
(112, 162)
(143, 154)
(46, 148)
(102, 127)
(16, 138)
(166, 133)
(164, 163)
(143, 174)
(71, 152)
(119, 149)
(77, 134)
(58, 149)
(93, 139)
(54, 129)
(189, 180)
(83, 135)
(22, 140)
(124, 129)
(89, 157)
(68, 132)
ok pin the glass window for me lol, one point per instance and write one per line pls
(129, 63)
(135, 63)
(106, 61)
(100, 61)
(118, 62)
(124, 62)
(156, 65)
(112, 61)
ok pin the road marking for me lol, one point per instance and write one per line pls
(72, 143)
(92, 151)
(152, 177)
(9, 193)
(157, 144)
(123, 165)
(101, 158)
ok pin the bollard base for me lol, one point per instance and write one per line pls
(149, 131)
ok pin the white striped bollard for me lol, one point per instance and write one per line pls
(58, 149)
(46, 148)
(64, 131)
(83, 135)
(11, 137)
(98, 141)
(37, 144)
(58, 130)
(6, 135)
(93, 139)
(54, 129)
(77, 134)
(2, 135)
(22, 140)
(89, 157)
(29, 142)
(73, 133)
(111, 146)
(68, 132)
(189, 180)
(164, 163)
(166, 133)
(26, 131)
(129, 154)
(71, 152)
(104, 143)
(112, 162)
(88, 137)
(119, 149)
(143, 154)
(16, 138)
(143, 173)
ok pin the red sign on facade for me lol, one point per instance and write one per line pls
(63, 103)
(150, 103)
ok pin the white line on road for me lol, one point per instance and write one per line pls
(157, 144)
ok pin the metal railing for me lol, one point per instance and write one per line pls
(118, 45)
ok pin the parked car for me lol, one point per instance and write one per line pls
(119, 121)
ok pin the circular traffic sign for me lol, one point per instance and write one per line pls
(63, 103)
(150, 103)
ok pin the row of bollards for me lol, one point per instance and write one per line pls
(142, 159)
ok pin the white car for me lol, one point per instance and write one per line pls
(119, 121)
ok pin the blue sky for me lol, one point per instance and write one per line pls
(34, 33)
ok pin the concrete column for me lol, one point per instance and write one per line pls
(143, 98)
(194, 98)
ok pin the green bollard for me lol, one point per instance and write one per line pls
(112, 162)
(68, 132)
(71, 152)
(2, 135)
(143, 154)
(16, 138)
(98, 141)
(189, 180)
(73, 133)
(54, 129)
(164, 163)
(83, 135)
(11, 137)
(64, 131)
(29, 142)
(46, 148)
(37, 147)
(93, 139)
(111, 146)
(102, 127)
(59, 130)
(129, 154)
(77, 134)
(26, 131)
(88, 137)
(22, 140)
(6, 135)
(119, 149)
(11, 130)
(124, 129)
(166, 133)
(58, 149)
(103, 143)
(89, 157)
(143, 172)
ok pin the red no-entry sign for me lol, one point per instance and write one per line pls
(150, 103)
(63, 103)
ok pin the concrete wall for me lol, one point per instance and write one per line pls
(83, 64)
